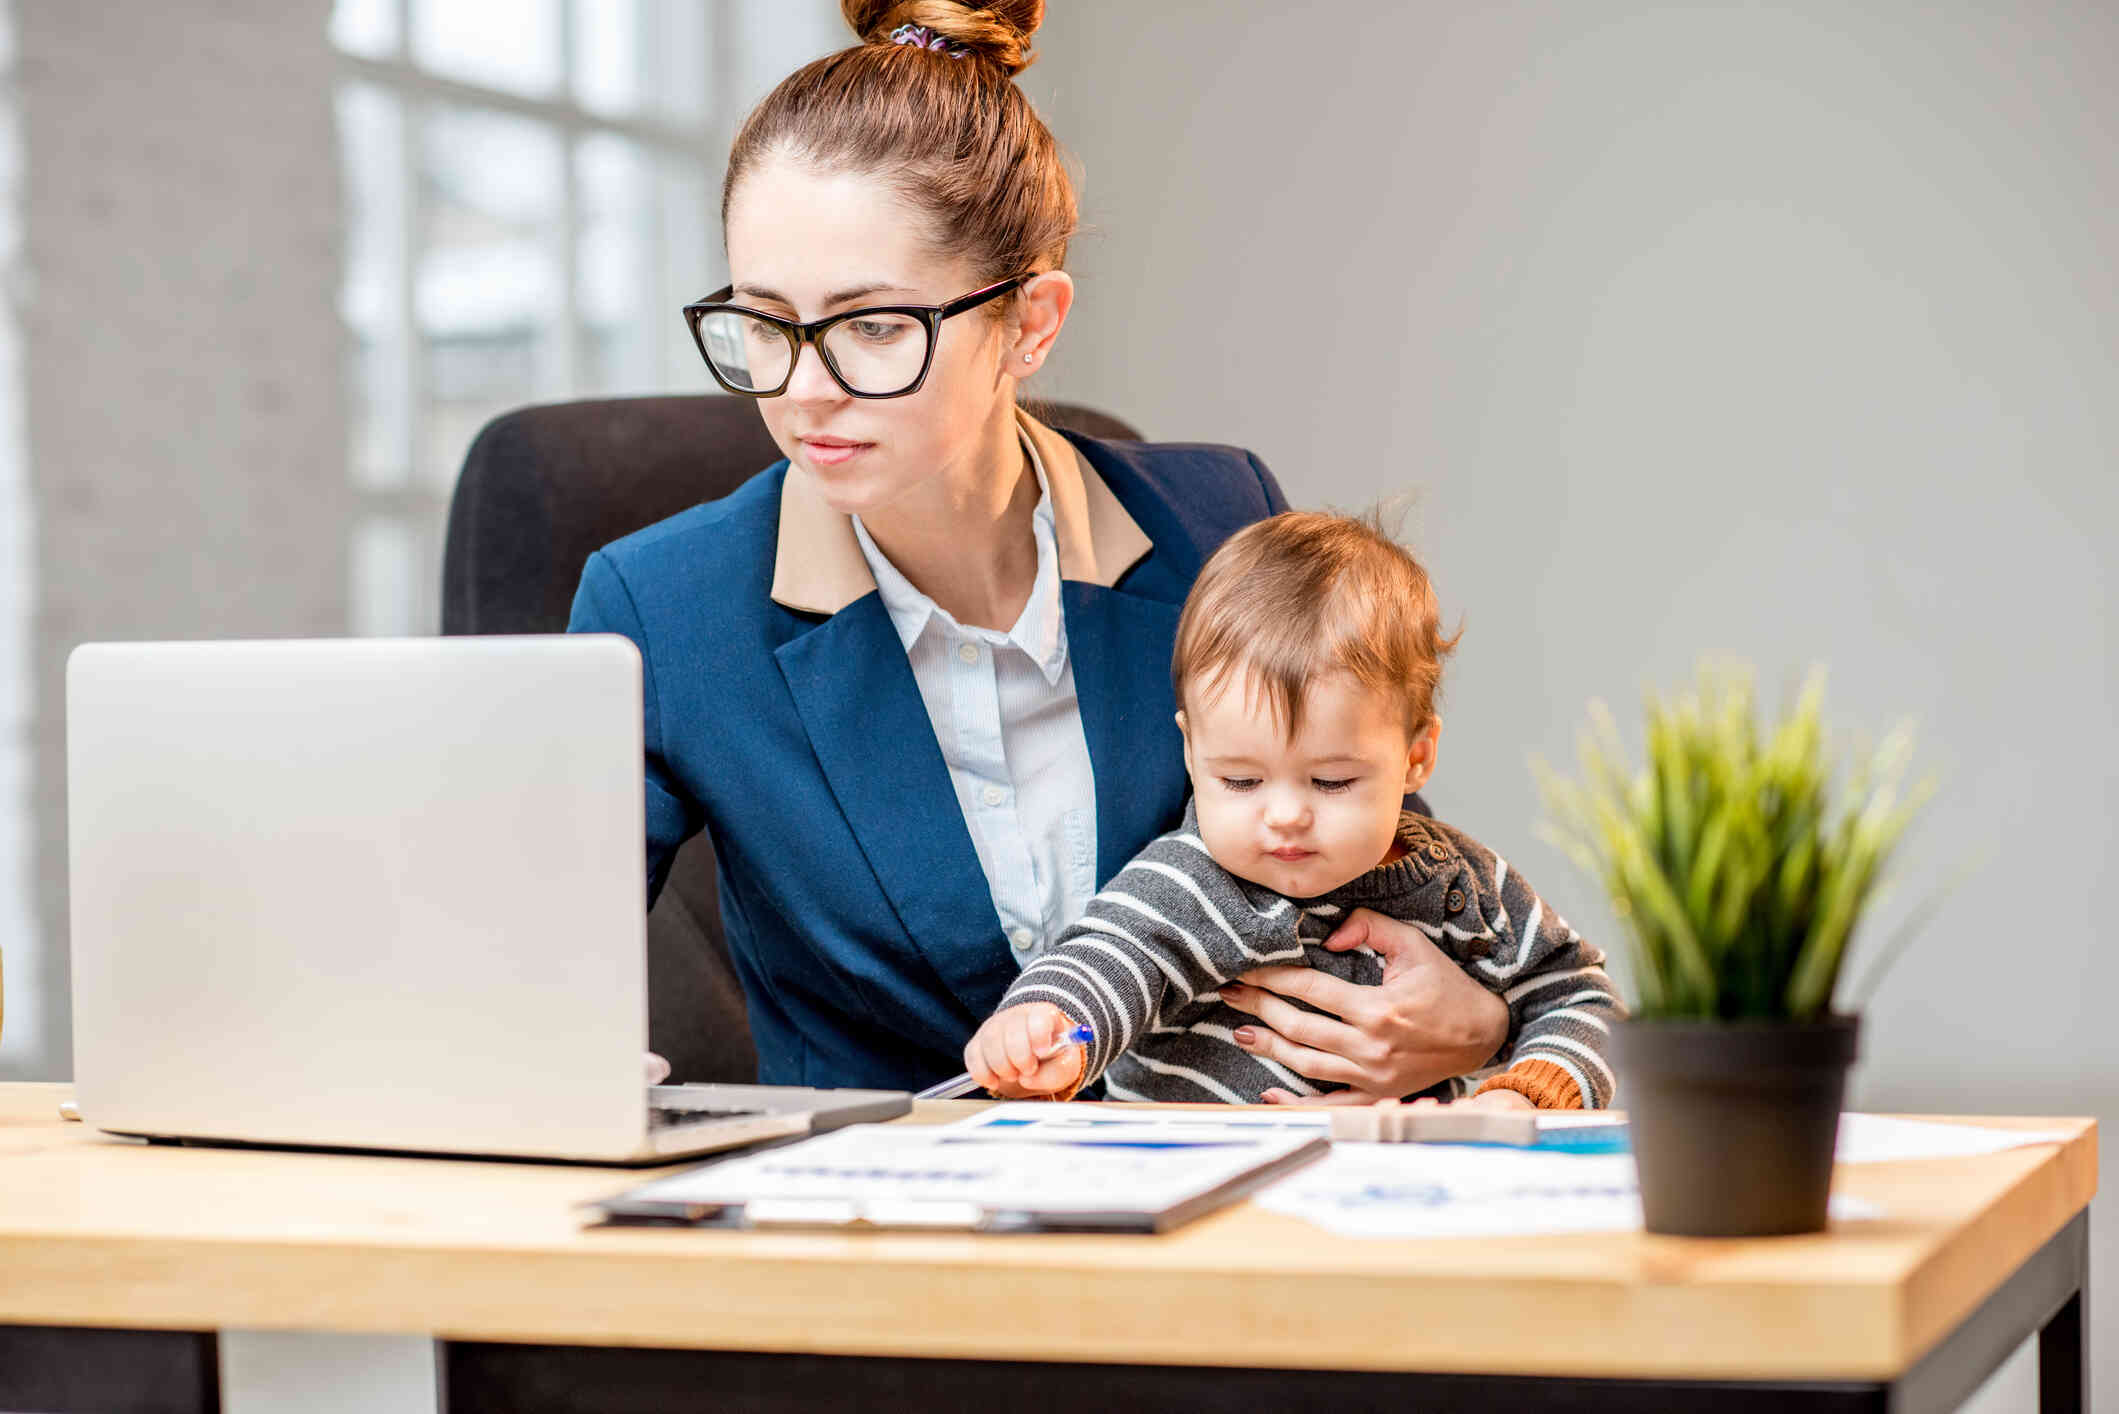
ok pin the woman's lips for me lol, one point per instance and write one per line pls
(831, 451)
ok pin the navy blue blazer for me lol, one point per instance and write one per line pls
(855, 909)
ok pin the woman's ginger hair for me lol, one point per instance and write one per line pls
(954, 135)
(1301, 594)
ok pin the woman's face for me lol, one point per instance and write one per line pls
(805, 243)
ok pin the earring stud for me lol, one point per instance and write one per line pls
(1026, 358)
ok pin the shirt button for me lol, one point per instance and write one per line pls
(970, 654)
(1455, 901)
(993, 795)
(1022, 938)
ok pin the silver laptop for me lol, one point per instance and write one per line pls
(377, 894)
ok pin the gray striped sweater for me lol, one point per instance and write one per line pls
(1143, 964)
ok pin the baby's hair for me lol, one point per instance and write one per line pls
(1301, 594)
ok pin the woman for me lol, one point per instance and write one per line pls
(914, 678)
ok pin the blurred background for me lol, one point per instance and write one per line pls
(1784, 333)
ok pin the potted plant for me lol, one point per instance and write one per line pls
(1739, 867)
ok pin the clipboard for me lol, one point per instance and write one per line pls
(947, 1178)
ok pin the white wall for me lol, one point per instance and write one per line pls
(185, 423)
(1782, 332)
(20, 946)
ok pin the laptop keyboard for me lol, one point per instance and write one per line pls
(662, 1116)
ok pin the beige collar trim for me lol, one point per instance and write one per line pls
(818, 567)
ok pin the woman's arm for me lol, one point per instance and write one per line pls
(1425, 1022)
(604, 605)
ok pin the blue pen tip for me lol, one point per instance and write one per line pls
(1082, 1035)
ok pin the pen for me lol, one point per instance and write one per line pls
(964, 1084)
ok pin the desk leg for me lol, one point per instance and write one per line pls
(2063, 1363)
(82, 1370)
(2048, 1297)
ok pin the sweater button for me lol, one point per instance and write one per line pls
(1437, 853)
(1455, 901)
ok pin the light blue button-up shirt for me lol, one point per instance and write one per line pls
(1009, 723)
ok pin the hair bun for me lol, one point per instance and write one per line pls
(998, 32)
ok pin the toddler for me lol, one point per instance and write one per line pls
(1307, 661)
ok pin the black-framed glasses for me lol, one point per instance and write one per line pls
(880, 352)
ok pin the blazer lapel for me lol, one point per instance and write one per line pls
(854, 691)
(1120, 645)
(857, 699)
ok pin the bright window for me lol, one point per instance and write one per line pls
(530, 189)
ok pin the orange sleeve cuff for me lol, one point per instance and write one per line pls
(1081, 1076)
(1541, 1082)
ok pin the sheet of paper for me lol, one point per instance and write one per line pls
(1881, 1139)
(1449, 1190)
(1038, 1122)
(1573, 1119)
(1454, 1190)
(1863, 1138)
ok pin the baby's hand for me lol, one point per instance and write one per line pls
(1003, 1056)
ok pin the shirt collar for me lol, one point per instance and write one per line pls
(1040, 630)
(819, 567)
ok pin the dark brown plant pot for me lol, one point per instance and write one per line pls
(1733, 1122)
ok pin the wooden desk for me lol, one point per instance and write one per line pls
(1238, 1310)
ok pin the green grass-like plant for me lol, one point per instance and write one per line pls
(1731, 860)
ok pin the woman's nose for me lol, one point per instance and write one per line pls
(811, 381)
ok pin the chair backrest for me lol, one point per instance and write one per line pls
(542, 489)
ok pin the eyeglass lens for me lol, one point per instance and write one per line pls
(875, 353)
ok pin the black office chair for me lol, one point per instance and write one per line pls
(544, 487)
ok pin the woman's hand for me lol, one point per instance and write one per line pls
(1426, 1021)
(1023, 1051)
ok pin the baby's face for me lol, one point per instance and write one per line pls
(1300, 817)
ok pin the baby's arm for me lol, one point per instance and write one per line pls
(1169, 929)
(1561, 1004)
